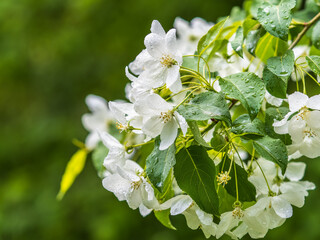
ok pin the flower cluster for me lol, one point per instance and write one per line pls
(209, 129)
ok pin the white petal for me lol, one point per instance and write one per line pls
(144, 211)
(173, 79)
(281, 127)
(281, 207)
(181, 205)
(171, 41)
(296, 101)
(314, 102)
(294, 197)
(155, 45)
(109, 141)
(182, 122)
(168, 134)
(92, 140)
(134, 199)
(157, 28)
(295, 171)
(118, 185)
(313, 119)
(96, 103)
(153, 126)
(205, 218)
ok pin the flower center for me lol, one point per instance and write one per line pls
(136, 185)
(166, 116)
(309, 133)
(168, 61)
(122, 127)
(237, 212)
(223, 178)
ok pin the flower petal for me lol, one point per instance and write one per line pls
(155, 45)
(295, 171)
(173, 79)
(297, 100)
(157, 28)
(281, 207)
(171, 41)
(314, 102)
(168, 134)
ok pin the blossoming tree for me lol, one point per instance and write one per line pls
(209, 129)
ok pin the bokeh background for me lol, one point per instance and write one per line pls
(52, 54)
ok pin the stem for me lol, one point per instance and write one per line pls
(137, 145)
(304, 30)
(236, 179)
(265, 178)
(185, 99)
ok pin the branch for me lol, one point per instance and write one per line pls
(304, 30)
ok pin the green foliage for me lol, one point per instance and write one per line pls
(193, 125)
(163, 217)
(238, 42)
(277, 72)
(195, 173)
(206, 106)
(246, 87)
(316, 35)
(314, 63)
(250, 129)
(276, 19)
(273, 150)
(159, 163)
(208, 43)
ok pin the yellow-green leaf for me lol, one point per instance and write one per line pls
(73, 169)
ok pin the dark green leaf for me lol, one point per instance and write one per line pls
(316, 35)
(195, 174)
(277, 73)
(244, 125)
(205, 106)
(247, 192)
(276, 19)
(218, 142)
(252, 40)
(159, 164)
(273, 150)
(246, 87)
(238, 42)
(163, 217)
(314, 63)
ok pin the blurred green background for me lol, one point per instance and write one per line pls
(52, 54)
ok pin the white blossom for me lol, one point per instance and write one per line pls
(160, 119)
(189, 34)
(97, 121)
(302, 124)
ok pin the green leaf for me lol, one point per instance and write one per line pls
(195, 174)
(277, 73)
(247, 25)
(238, 42)
(207, 41)
(246, 190)
(246, 87)
(314, 63)
(163, 217)
(273, 114)
(159, 164)
(98, 156)
(282, 66)
(273, 150)
(270, 46)
(316, 35)
(276, 19)
(197, 134)
(253, 39)
(244, 125)
(206, 106)
(73, 169)
(218, 142)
